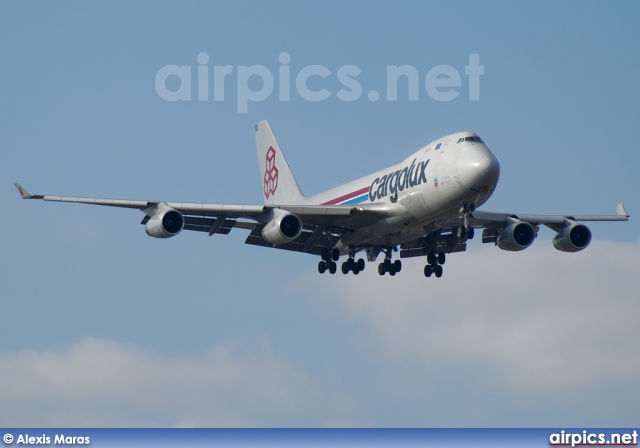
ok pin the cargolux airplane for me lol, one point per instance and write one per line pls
(427, 205)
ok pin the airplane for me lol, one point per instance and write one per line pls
(426, 205)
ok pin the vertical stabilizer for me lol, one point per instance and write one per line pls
(279, 184)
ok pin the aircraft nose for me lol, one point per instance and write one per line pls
(478, 167)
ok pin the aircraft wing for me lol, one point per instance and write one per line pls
(493, 224)
(320, 222)
(497, 221)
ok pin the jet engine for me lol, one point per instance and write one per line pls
(572, 238)
(517, 236)
(283, 228)
(165, 222)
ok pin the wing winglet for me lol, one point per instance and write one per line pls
(24, 193)
(621, 211)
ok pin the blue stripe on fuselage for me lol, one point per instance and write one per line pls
(356, 200)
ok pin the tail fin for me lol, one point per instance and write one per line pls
(279, 184)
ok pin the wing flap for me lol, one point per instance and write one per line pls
(423, 251)
(297, 245)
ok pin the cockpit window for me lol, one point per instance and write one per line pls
(473, 139)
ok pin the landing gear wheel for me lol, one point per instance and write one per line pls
(322, 267)
(428, 270)
(392, 270)
(442, 258)
(324, 254)
(345, 268)
(356, 270)
(360, 264)
(470, 233)
(335, 254)
(438, 271)
(350, 264)
(432, 259)
(381, 269)
(397, 265)
(333, 267)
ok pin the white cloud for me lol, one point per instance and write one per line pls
(502, 339)
(539, 323)
(99, 382)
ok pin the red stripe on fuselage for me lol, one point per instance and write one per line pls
(346, 197)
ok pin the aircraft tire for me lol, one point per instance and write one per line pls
(345, 268)
(322, 267)
(324, 254)
(442, 258)
(438, 271)
(428, 270)
(381, 269)
(355, 270)
(397, 265)
(361, 264)
(333, 267)
(470, 233)
(335, 254)
(432, 259)
(392, 270)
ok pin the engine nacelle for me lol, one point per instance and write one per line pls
(517, 236)
(283, 228)
(165, 223)
(572, 238)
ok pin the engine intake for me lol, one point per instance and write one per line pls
(283, 228)
(165, 222)
(572, 238)
(517, 236)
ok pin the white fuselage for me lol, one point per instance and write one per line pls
(440, 182)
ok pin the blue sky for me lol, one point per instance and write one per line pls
(105, 326)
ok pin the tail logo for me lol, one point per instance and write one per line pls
(270, 174)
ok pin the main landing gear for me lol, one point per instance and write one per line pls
(387, 266)
(328, 262)
(435, 264)
(353, 266)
